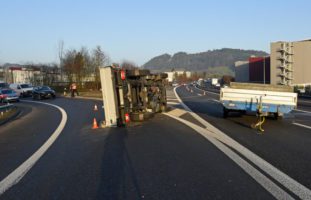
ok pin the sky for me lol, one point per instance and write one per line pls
(139, 30)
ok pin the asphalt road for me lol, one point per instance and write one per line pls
(284, 144)
(158, 159)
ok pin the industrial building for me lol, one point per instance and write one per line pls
(242, 71)
(259, 70)
(255, 70)
(291, 63)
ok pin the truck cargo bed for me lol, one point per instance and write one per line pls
(261, 87)
(248, 97)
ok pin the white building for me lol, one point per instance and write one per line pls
(171, 76)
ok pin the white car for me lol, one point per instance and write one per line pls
(22, 89)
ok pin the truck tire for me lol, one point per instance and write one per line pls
(137, 116)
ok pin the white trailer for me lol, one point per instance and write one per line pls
(265, 99)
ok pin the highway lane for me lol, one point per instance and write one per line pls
(159, 159)
(283, 144)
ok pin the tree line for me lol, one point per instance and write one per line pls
(83, 65)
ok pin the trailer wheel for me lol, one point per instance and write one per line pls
(277, 116)
(225, 112)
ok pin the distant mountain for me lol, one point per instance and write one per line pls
(205, 61)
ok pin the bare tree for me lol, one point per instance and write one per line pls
(60, 56)
(60, 52)
(78, 68)
(99, 59)
(68, 64)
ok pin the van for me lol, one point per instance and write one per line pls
(22, 89)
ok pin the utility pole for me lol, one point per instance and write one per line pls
(264, 70)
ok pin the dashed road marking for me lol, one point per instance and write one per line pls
(302, 125)
(304, 101)
(304, 111)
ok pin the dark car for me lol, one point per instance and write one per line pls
(43, 92)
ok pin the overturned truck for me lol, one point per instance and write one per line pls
(131, 94)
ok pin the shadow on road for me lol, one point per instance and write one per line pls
(118, 179)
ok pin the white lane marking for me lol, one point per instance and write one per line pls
(200, 95)
(304, 101)
(173, 103)
(302, 125)
(304, 111)
(288, 182)
(15, 176)
(265, 182)
(170, 99)
(216, 100)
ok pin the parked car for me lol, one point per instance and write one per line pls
(43, 92)
(22, 89)
(8, 95)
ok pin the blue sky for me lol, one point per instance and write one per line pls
(138, 30)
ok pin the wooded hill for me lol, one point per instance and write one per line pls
(213, 61)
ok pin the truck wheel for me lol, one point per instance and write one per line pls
(225, 112)
(163, 108)
(137, 116)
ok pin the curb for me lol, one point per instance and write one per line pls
(18, 111)
(81, 97)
